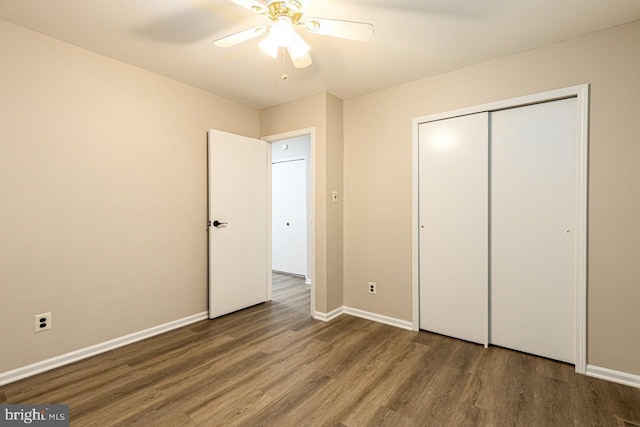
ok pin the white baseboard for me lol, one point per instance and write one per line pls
(614, 376)
(84, 353)
(403, 324)
(325, 317)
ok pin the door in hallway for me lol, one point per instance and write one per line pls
(289, 217)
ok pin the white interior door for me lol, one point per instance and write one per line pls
(453, 210)
(238, 250)
(279, 231)
(533, 213)
(289, 216)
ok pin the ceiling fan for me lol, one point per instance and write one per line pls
(287, 14)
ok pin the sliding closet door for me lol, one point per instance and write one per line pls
(453, 205)
(533, 212)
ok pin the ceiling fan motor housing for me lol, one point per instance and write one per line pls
(291, 9)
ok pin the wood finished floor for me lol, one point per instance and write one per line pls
(272, 365)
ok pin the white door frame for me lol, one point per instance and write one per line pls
(581, 93)
(311, 256)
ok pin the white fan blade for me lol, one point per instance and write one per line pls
(241, 37)
(302, 61)
(252, 5)
(359, 31)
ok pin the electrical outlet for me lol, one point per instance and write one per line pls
(372, 288)
(42, 322)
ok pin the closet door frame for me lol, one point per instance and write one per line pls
(581, 93)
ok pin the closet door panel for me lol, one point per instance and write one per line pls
(453, 204)
(532, 229)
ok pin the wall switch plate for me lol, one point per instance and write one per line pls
(42, 322)
(334, 197)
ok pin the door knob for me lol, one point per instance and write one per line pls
(217, 223)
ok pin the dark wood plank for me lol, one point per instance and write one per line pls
(272, 364)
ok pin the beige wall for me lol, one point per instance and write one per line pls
(102, 195)
(377, 176)
(103, 188)
(335, 243)
(324, 112)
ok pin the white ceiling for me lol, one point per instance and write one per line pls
(413, 39)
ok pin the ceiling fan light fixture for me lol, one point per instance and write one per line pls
(282, 32)
(291, 41)
(269, 47)
(312, 26)
(297, 47)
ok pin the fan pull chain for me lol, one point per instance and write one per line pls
(280, 67)
(284, 76)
